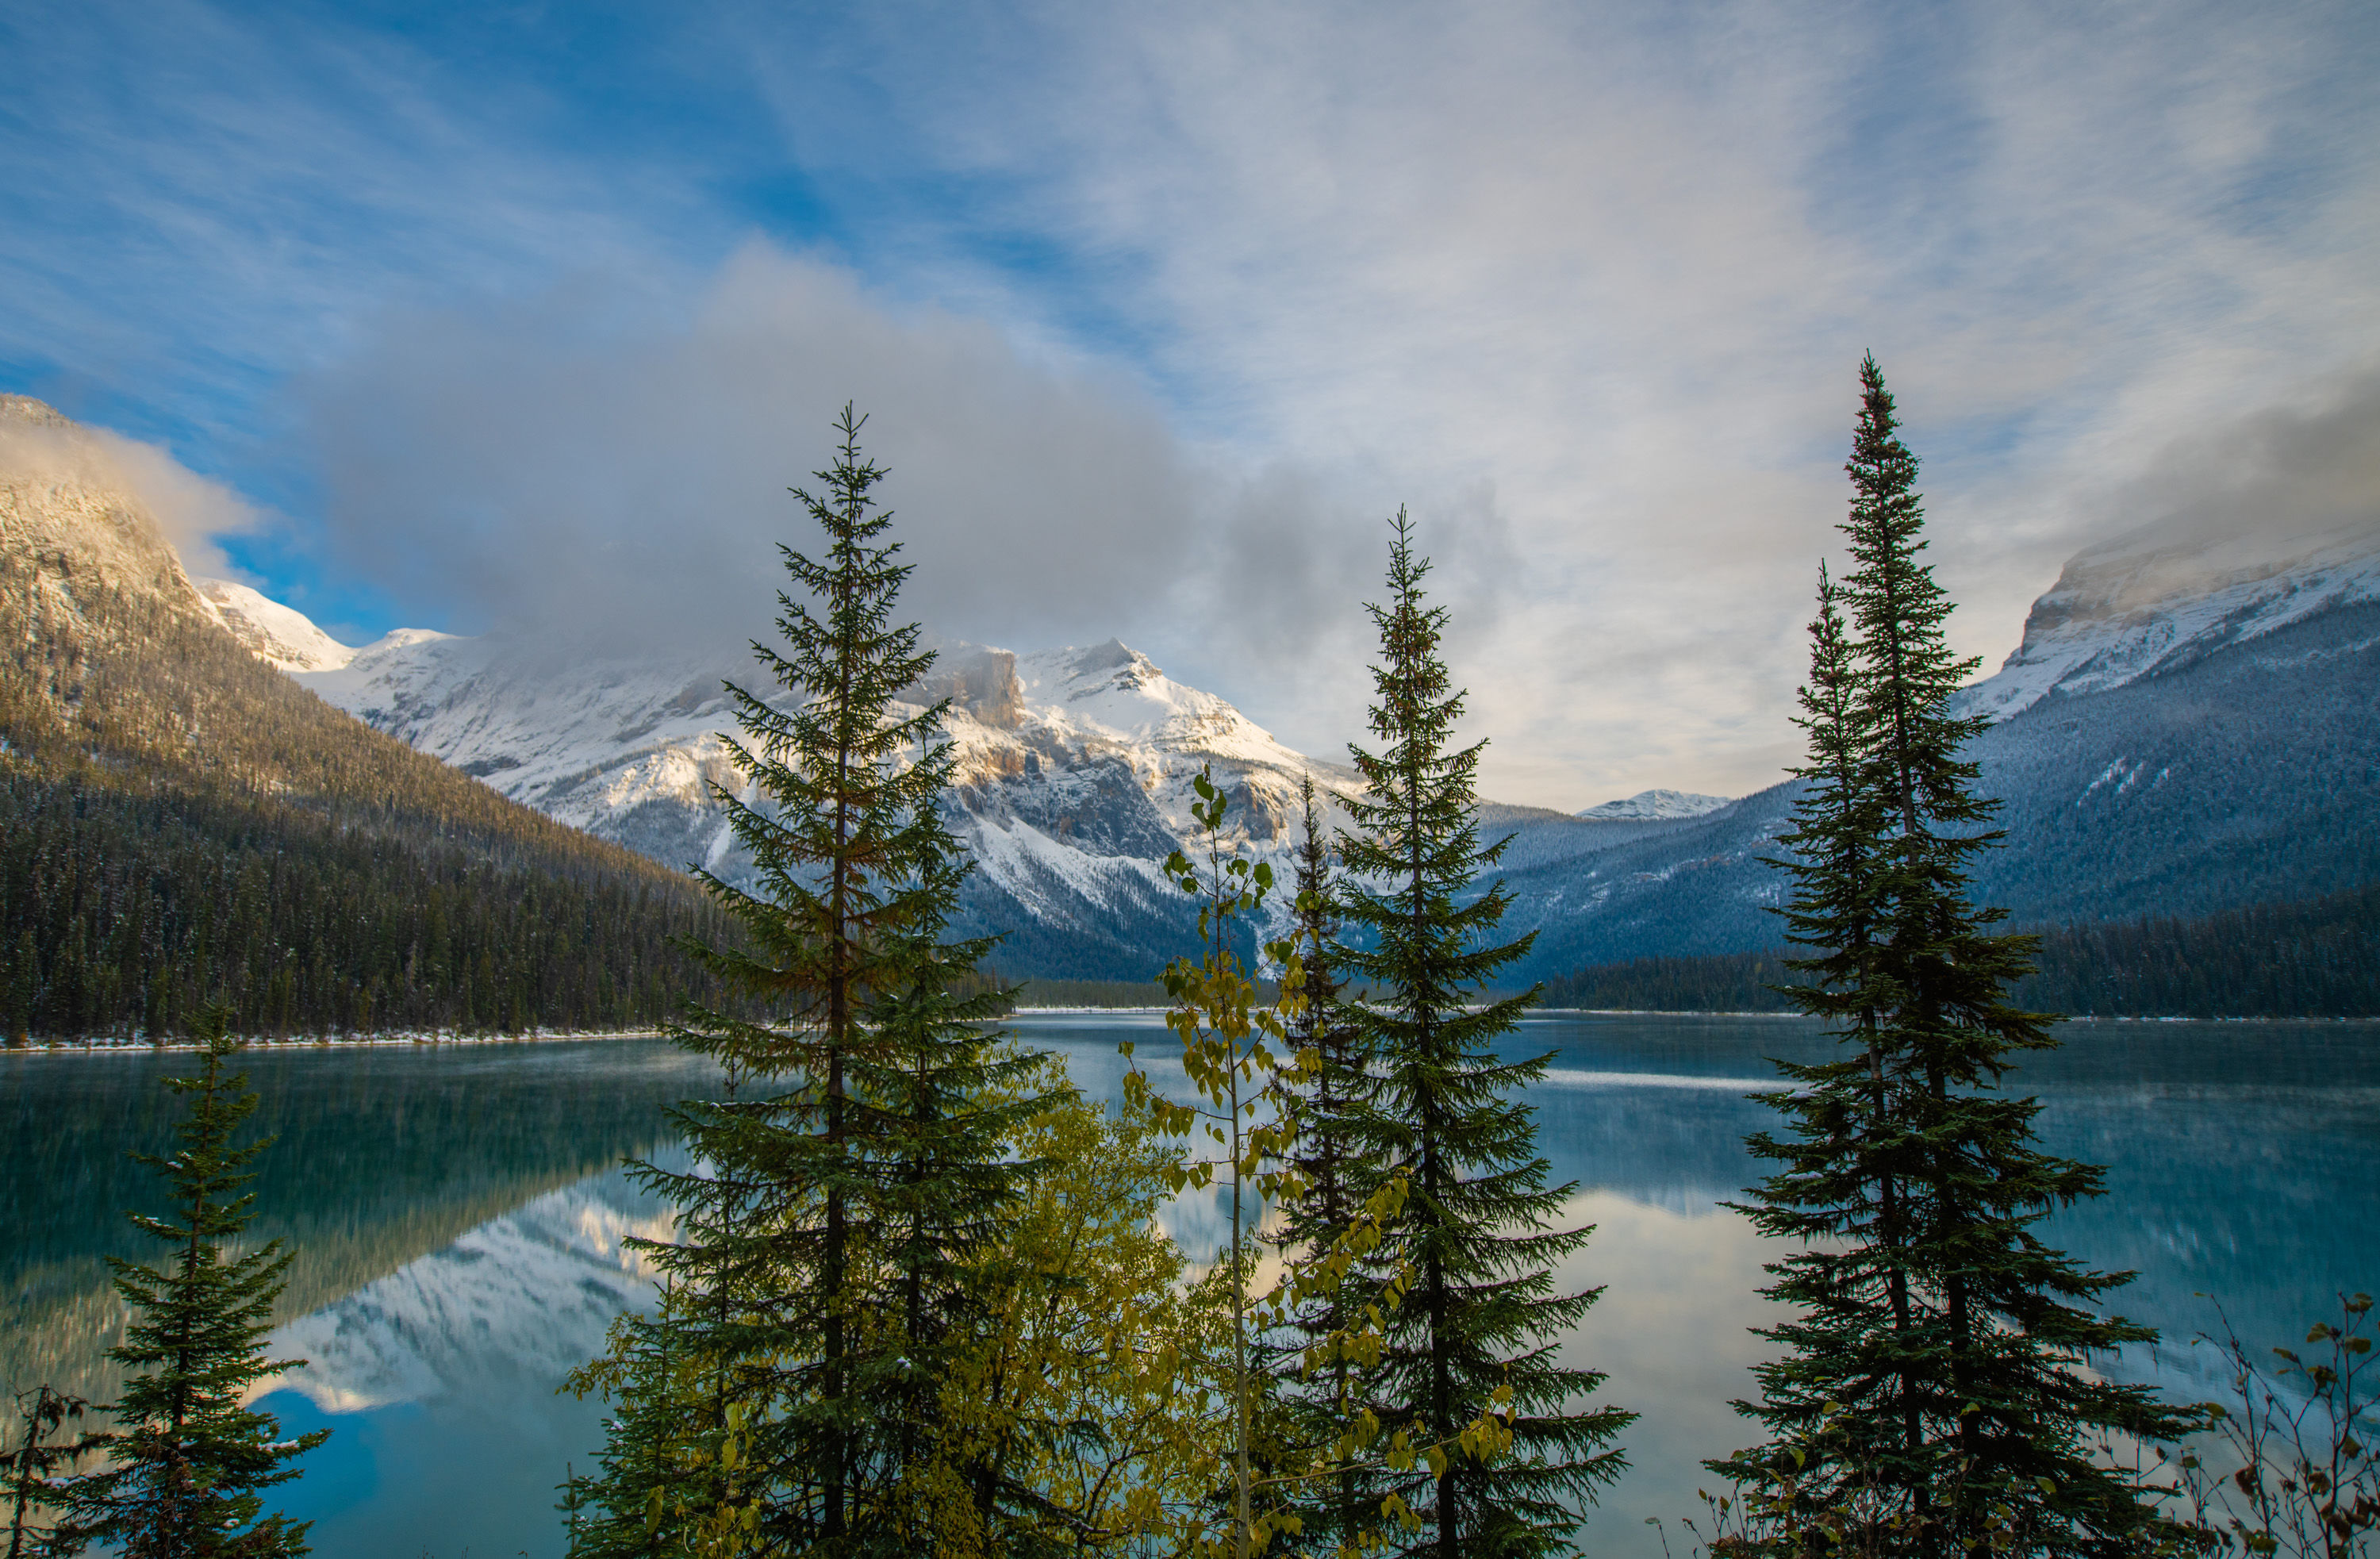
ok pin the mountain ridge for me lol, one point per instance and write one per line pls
(2153, 662)
(2156, 600)
(181, 823)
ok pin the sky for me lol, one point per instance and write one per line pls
(524, 317)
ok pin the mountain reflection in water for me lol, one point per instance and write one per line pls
(458, 1215)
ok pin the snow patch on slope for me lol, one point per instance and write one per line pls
(278, 635)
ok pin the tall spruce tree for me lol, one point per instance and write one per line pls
(1480, 1232)
(1934, 1384)
(1332, 1093)
(858, 1156)
(189, 1461)
(949, 1100)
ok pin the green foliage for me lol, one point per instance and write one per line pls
(1332, 1090)
(1082, 1417)
(1070, 1422)
(1480, 1231)
(827, 1274)
(1235, 1055)
(1279, 1463)
(186, 1467)
(1934, 1362)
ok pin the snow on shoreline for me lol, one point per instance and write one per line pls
(327, 1041)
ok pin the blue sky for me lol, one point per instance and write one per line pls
(524, 315)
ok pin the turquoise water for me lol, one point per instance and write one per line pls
(457, 1215)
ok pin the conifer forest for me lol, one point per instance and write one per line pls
(916, 1292)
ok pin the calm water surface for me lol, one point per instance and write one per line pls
(458, 1215)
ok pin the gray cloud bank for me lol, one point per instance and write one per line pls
(531, 466)
(2303, 469)
(528, 468)
(517, 469)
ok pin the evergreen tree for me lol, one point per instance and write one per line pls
(1478, 1230)
(1933, 1384)
(947, 1102)
(1331, 1093)
(35, 1464)
(843, 1182)
(655, 1451)
(187, 1462)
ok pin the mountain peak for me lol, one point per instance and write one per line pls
(1647, 806)
(1111, 656)
(25, 408)
(2158, 599)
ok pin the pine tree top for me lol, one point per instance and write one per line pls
(1413, 851)
(853, 862)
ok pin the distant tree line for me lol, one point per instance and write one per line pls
(124, 914)
(2317, 958)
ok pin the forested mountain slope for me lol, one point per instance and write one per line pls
(2312, 958)
(183, 823)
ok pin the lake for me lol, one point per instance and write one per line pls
(457, 1211)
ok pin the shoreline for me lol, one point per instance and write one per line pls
(432, 1038)
(325, 1041)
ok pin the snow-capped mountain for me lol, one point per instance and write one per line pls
(2155, 601)
(1649, 806)
(1074, 769)
(2188, 726)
